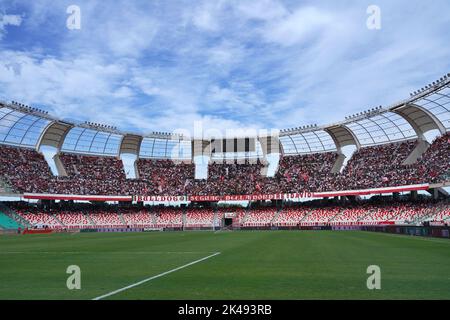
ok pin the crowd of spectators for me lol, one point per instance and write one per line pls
(90, 175)
(376, 167)
(433, 166)
(310, 172)
(26, 170)
(230, 179)
(166, 177)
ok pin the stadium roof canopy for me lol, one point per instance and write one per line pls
(426, 109)
(438, 104)
(86, 140)
(20, 128)
(381, 128)
(173, 148)
(307, 142)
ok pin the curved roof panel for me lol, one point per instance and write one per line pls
(342, 136)
(307, 142)
(381, 128)
(131, 144)
(165, 148)
(438, 103)
(20, 128)
(54, 134)
(84, 140)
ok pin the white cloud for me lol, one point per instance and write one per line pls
(261, 10)
(225, 55)
(298, 27)
(130, 35)
(240, 98)
(123, 92)
(71, 88)
(206, 16)
(9, 20)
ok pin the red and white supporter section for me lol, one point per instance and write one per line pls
(292, 215)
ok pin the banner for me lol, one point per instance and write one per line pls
(247, 197)
(277, 196)
(281, 196)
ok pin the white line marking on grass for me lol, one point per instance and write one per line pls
(154, 277)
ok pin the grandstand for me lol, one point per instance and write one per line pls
(392, 156)
(387, 212)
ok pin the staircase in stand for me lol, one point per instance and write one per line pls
(244, 218)
(336, 215)
(305, 216)
(369, 213)
(215, 222)
(275, 216)
(121, 218)
(89, 218)
(59, 221)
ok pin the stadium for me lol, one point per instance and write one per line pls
(273, 215)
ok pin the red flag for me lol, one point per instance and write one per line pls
(288, 176)
(305, 177)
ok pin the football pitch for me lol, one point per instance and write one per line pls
(224, 265)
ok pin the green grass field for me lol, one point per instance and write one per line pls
(251, 265)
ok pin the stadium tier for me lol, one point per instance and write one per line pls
(26, 170)
(365, 213)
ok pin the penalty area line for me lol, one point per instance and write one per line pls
(154, 277)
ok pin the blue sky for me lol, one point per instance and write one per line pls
(162, 65)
